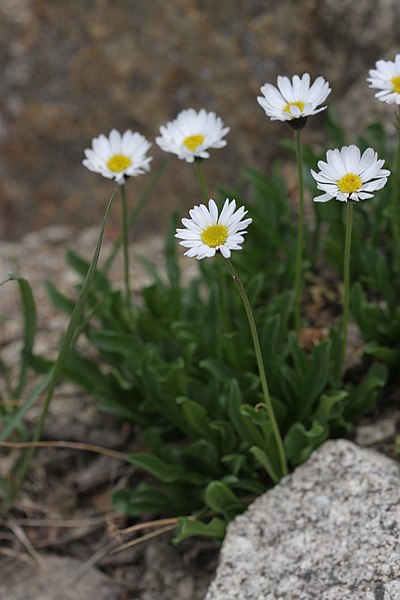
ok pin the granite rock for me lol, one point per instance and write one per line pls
(328, 531)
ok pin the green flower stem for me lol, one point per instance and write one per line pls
(260, 363)
(68, 339)
(298, 281)
(135, 212)
(198, 165)
(317, 234)
(125, 240)
(395, 182)
(346, 282)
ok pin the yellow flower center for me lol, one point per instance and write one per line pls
(349, 183)
(193, 141)
(299, 105)
(215, 235)
(118, 163)
(396, 84)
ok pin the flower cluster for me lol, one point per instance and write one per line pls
(346, 175)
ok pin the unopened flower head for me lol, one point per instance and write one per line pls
(118, 156)
(192, 133)
(205, 232)
(349, 175)
(386, 79)
(295, 99)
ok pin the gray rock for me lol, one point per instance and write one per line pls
(330, 531)
(380, 430)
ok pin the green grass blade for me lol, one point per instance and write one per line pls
(29, 312)
(65, 347)
(20, 413)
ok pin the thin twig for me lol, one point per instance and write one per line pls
(72, 445)
(144, 538)
(149, 524)
(93, 560)
(66, 522)
(13, 554)
(21, 536)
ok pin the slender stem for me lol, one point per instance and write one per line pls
(198, 165)
(395, 180)
(260, 364)
(64, 350)
(317, 234)
(72, 445)
(125, 240)
(135, 212)
(144, 538)
(346, 282)
(298, 282)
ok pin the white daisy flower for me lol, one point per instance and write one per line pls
(386, 78)
(192, 133)
(206, 232)
(294, 99)
(348, 175)
(118, 156)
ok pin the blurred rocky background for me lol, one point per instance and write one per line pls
(72, 69)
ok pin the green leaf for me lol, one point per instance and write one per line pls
(300, 442)
(151, 269)
(162, 471)
(269, 339)
(248, 432)
(57, 299)
(316, 378)
(201, 456)
(364, 396)
(191, 527)
(196, 418)
(235, 462)
(157, 400)
(258, 416)
(227, 436)
(218, 369)
(264, 460)
(18, 416)
(145, 499)
(117, 342)
(81, 266)
(133, 503)
(300, 359)
(29, 330)
(390, 356)
(331, 407)
(220, 498)
(254, 288)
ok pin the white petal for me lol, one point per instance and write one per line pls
(323, 198)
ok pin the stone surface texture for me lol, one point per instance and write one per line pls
(330, 531)
(71, 70)
(55, 578)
